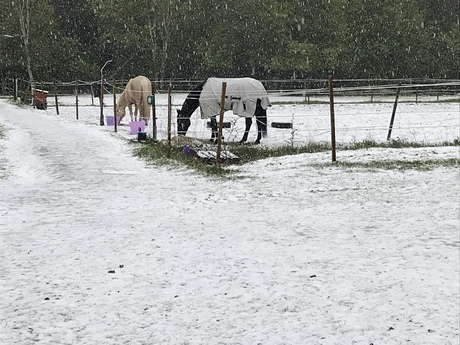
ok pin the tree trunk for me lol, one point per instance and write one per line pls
(24, 24)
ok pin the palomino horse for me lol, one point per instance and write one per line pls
(136, 92)
(247, 97)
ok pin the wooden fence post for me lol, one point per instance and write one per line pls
(115, 124)
(15, 88)
(169, 119)
(76, 96)
(56, 98)
(101, 101)
(221, 123)
(393, 114)
(154, 115)
(92, 94)
(331, 106)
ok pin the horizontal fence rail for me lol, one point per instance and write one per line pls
(299, 87)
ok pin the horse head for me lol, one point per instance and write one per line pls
(191, 103)
(183, 123)
(120, 112)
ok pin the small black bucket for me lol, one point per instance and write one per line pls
(141, 137)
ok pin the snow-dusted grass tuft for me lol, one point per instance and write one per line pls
(419, 165)
(2, 161)
(158, 153)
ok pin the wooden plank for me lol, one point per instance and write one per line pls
(211, 155)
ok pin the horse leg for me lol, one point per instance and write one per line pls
(259, 136)
(214, 130)
(259, 132)
(246, 131)
(136, 112)
(130, 107)
(261, 119)
(144, 113)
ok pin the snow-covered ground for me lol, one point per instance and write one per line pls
(96, 247)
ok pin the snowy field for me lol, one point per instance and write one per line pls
(96, 247)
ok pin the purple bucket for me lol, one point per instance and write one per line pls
(189, 151)
(110, 122)
(137, 126)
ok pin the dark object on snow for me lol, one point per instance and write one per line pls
(40, 101)
(112, 271)
(96, 89)
(189, 151)
(224, 124)
(209, 157)
(141, 137)
(282, 124)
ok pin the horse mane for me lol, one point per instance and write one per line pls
(192, 101)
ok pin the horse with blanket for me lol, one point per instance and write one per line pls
(247, 98)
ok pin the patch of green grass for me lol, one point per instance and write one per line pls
(400, 165)
(394, 143)
(159, 154)
(250, 153)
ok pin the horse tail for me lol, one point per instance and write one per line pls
(261, 118)
(144, 106)
(262, 122)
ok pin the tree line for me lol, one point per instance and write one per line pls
(195, 39)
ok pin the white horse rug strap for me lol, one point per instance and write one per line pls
(241, 96)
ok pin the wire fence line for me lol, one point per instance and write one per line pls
(362, 111)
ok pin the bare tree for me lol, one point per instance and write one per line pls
(22, 8)
(161, 24)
